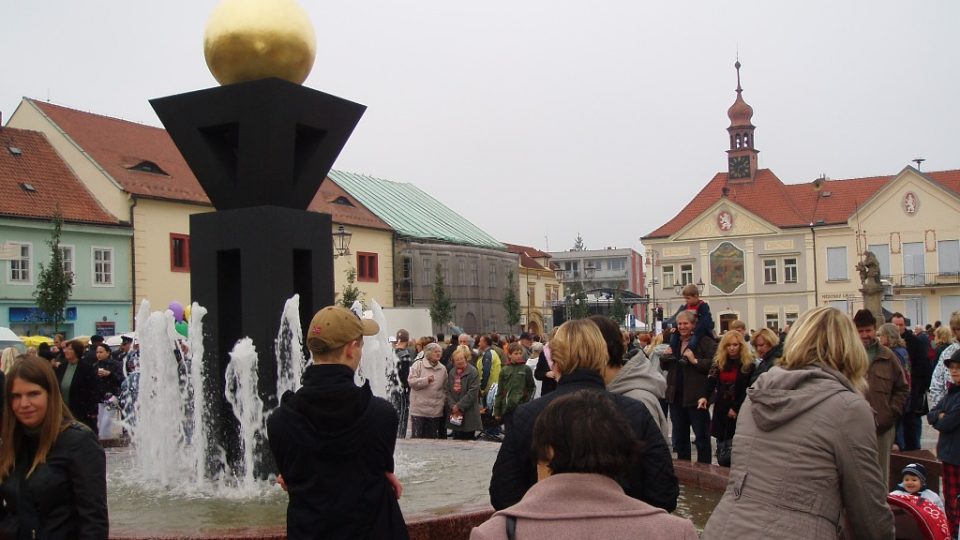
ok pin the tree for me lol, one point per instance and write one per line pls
(54, 285)
(351, 293)
(618, 312)
(511, 302)
(442, 306)
(578, 243)
(577, 302)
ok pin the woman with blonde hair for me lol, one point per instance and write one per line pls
(52, 468)
(6, 359)
(769, 351)
(806, 443)
(579, 355)
(727, 388)
(463, 391)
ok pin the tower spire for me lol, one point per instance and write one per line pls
(742, 155)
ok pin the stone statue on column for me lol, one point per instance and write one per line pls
(871, 289)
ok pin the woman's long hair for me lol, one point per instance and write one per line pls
(34, 370)
(826, 336)
(746, 355)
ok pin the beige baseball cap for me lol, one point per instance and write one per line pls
(333, 327)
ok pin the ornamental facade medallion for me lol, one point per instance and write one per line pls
(910, 203)
(724, 221)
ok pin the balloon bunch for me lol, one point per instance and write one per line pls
(181, 316)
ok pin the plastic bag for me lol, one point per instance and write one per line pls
(108, 421)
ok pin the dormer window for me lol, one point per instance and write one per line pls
(343, 200)
(148, 167)
(30, 188)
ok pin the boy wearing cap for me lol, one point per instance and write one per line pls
(945, 418)
(333, 441)
(915, 483)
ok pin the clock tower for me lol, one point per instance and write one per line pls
(742, 156)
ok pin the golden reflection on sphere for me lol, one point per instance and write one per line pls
(247, 40)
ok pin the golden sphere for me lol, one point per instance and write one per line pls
(247, 40)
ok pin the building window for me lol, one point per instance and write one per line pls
(21, 263)
(367, 269)
(772, 321)
(102, 267)
(617, 265)
(686, 274)
(492, 283)
(474, 275)
(789, 318)
(67, 258)
(769, 271)
(460, 274)
(179, 252)
(882, 251)
(531, 295)
(790, 270)
(406, 269)
(836, 263)
(667, 279)
(427, 272)
(948, 255)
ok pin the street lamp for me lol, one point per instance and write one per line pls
(652, 322)
(341, 242)
(700, 286)
(677, 288)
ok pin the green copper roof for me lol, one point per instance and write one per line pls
(412, 212)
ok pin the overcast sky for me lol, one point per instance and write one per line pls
(540, 119)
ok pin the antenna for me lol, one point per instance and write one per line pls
(918, 161)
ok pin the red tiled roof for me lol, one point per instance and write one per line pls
(527, 255)
(357, 214)
(39, 165)
(117, 145)
(793, 205)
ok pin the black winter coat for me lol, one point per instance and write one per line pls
(84, 392)
(111, 383)
(333, 444)
(547, 384)
(67, 494)
(921, 371)
(514, 472)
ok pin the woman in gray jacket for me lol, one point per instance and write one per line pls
(805, 451)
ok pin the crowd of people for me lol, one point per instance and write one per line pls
(590, 420)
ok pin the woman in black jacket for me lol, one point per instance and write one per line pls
(78, 384)
(52, 468)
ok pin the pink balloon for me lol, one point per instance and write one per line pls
(177, 309)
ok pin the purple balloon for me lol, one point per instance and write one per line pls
(177, 309)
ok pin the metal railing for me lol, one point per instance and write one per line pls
(928, 279)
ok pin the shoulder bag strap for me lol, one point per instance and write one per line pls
(511, 528)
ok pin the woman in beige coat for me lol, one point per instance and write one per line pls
(582, 442)
(805, 452)
(428, 393)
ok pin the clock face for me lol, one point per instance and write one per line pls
(739, 166)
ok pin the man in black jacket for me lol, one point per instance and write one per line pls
(921, 371)
(652, 480)
(333, 442)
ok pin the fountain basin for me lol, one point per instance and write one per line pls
(445, 495)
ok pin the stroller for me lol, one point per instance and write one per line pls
(491, 428)
(917, 518)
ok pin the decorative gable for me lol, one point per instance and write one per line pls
(903, 200)
(725, 219)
